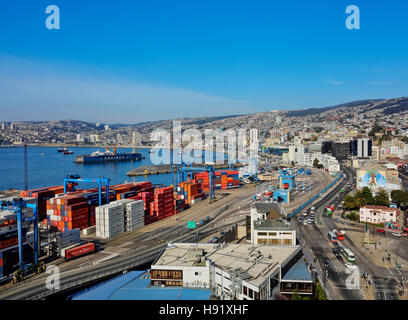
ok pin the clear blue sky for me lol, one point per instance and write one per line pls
(130, 61)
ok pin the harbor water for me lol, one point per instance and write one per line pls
(48, 167)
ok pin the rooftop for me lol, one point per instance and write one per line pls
(135, 285)
(275, 224)
(250, 262)
(299, 272)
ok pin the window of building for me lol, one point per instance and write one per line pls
(262, 241)
(256, 295)
(287, 241)
(262, 233)
(271, 234)
(245, 290)
(250, 293)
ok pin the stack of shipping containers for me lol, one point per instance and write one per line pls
(224, 179)
(163, 205)
(9, 258)
(109, 220)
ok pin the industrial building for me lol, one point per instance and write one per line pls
(233, 271)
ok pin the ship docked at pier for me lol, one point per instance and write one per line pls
(108, 156)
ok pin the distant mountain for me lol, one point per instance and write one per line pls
(314, 111)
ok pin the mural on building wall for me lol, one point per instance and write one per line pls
(373, 179)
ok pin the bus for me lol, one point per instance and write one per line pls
(332, 237)
(339, 235)
(348, 254)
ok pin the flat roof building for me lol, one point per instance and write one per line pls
(233, 271)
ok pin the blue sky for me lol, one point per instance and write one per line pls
(131, 61)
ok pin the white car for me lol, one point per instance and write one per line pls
(343, 232)
(305, 223)
(396, 234)
(350, 265)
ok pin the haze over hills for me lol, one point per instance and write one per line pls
(358, 114)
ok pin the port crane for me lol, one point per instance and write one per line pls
(184, 170)
(76, 179)
(19, 206)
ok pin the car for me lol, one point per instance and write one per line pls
(340, 258)
(304, 213)
(305, 222)
(310, 221)
(326, 262)
(396, 234)
(335, 252)
(380, 230)
(350, 265)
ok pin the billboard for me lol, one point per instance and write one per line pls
(373, 179)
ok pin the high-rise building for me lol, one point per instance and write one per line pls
(341, 150)
(361, 148)
(327, 147)
(94, 138)
(3, 126)
(136, 139)
(253, 135)
(106, 127)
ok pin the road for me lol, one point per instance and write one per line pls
(385, 280)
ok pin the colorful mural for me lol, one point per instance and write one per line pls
(373, 179)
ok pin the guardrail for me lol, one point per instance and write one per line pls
(304, 205)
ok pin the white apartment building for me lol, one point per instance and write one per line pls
(378, 214)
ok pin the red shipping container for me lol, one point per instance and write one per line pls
(80, 250)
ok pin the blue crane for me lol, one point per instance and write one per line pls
(89, 180)
(183, 171)
(18, 206)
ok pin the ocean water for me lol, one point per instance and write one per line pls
(47, 167)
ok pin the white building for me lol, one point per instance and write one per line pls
(378, 214)
(94, 138)
(80, 137)
(234, 271)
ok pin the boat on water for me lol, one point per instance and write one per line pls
(108, 156)
(68, 152)
(62, 149)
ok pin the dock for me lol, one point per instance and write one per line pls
(165, 168)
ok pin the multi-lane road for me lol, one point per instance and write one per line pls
(335, 276)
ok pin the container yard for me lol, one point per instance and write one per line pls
(82, 221)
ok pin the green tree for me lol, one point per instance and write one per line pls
(382, 198)
(367, 195)
(353, 216)
(399, 196)
(359, 199)
(349, 202)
